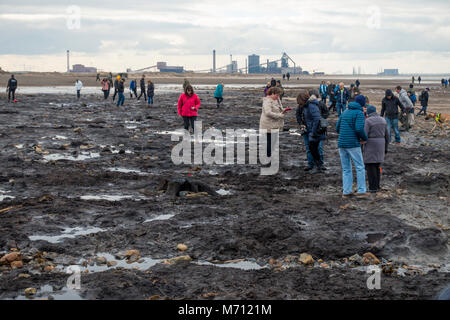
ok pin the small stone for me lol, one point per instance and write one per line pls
(101, 260)
(10, 257)
(49, 268)
(111, 263)
(355, 258)
(324, 265)
(24, 275)
(30, 291)
(370, 258)
(320, 261)
(130, 253)
(17, 264)
(177, 259)
(182, 247)
(306, 259)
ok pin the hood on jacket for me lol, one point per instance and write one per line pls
(355, 106)
(389, 93)
(302, 98)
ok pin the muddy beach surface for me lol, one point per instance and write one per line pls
(89, 184)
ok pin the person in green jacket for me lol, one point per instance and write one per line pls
(218, 94)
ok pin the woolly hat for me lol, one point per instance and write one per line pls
(361, 100)
(371, 109)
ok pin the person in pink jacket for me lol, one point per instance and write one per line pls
(188, 105)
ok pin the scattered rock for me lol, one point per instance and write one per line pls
(370, 258)
(101, 260)
(356, 258)
(10, 257)
(24, 275)
(306, 259)
(130, 253)
(17, 264)
(182, 247)
(177, 259)
(30, 291)
(324, 265)
(111, 263)
(49, 268)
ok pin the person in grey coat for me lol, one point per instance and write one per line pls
(376, 147)
(407, 103)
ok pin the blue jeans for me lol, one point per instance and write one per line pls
(121, 99)
(340, 108)
(393, 123)
(424, 110)
(308, 153)
(347, 155)
(150, 100)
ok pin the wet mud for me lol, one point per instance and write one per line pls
(83, 182)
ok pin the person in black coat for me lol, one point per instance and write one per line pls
(11, 88)
(150, 92)
(142, 85)
(424, 96)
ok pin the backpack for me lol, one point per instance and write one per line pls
(323, 124)
(413, 98)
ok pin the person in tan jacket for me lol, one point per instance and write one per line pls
(272, 116)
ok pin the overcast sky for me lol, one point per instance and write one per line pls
(330, 36)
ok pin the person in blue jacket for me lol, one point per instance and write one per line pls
(133, 88)
(218, 94)
(352, 135)
(323, 92)
(342, 95)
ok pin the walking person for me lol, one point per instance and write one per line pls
(350, 128)
(413, 79)
(188, 105)
(446, 83)
(133, 88)
(78, 86)
(375, 148)
(390, 110)
(342, 96)
(120, 91)
(105, 87)
(408, 105)
(142, 86)
(302, 100)
(419, 79)
(11, 88)
(423, 98)
(218, 94)
(288, 76)
(116, 87)
(150, 92)
(323, 91)
(330, 92)
(272, 116)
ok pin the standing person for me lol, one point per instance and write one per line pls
(185, 84)
(150, 92)
(375, 148)
(302, 100)
(342, 96)
(412, 95)
(142, 86)
(278, 85)
(413, 79)
(423, 98)
(98, 77)
(442, 82)
(273, 82)
(284, 76)
(350, 128)
(446, 83)
(218, 94)
(188, 105)
(407, 103)
(323, 91)
(315, 136)
(105, 87)
(288, 76)
(357, 83)
(389, 110)
(116, 87)
(120, 91)
(11, 88)
(78, 86)
(352, 93)
(272, 115)
(420, 79)
(330, 92)
(268, 86)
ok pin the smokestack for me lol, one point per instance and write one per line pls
(68, 68)
(214, 61)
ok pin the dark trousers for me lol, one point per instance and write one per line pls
(269, 144)
(78, 94)
(219, 101)
(314, 149)
(189, 121)
(373, 176)
(143, 93)
(115, 93)
(333, 106)
(106, 93)
(135, 93)
(13, 93)
(424, 110)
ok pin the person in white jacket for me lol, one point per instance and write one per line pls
(409, 107)
(78, 86)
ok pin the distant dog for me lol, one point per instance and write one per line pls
(440, 120)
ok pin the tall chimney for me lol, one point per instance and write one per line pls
(68, 66)
(214, 61)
